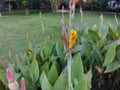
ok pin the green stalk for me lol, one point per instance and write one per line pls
(42, 23)
(116, 19)
(71, 16)
(81, 14)
(101, 22)
(69, 70)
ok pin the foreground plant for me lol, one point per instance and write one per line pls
(12, 83)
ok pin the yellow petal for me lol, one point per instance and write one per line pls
(72, 38)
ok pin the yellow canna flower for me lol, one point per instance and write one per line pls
(72, 38)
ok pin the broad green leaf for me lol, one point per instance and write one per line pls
(93, 35)
(102, 42)
(21, 67)
(82, 85)
(53, 74)
(45, 85)
(113, 33)
(85, 28)
(43, 75)
(34, 70)
(77, 68)
(60, 52)
(42, 55)
(118, 29)
(77, 48)
(3, 77)
(67, 87)
(31, 46)
(89, 79)
(47, 50)
(104, 31)
(86, 47)
(45, 67)
(17, 76)
(118, 53)
(110, 55)
(97, 52)
(61, 83)
(112, 67)
(53, 58)
(78, 73)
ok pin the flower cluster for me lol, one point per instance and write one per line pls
(12, 83)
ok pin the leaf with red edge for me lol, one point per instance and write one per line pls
(64, 35)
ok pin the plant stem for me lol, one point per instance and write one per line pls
(69, 70)
(116, 19)
(42, 23)
(71, 16)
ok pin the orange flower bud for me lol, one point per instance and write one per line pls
(72, 38)
(85, 1)
(75, 1)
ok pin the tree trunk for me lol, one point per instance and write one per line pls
(9, 7)
(54, 5)
(26, 11)
(18, 6)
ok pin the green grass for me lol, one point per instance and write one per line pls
(17, 31)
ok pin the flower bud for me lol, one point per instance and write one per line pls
(22, 82)
(10, 76)
(72, 38)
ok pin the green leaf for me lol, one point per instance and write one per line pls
(104, 31)
(77, 68)
(47, 49)
(118, 53)
(93, 35)
(113, 33)
(86, 47)
(112, 67)
(77, 48)
(85, 28)
(89, 79)
(34, 70)
(110, 55)
(53, 74)
(82, 85)
(42, 55)
(118, 29)
(61, 83)
(67, 87)
(43, 75)
(45, 85)
(60, 52)
(3, 77)
(21, 67)
(45, 67)
(78, 73)
(53, 58)
(97, 52)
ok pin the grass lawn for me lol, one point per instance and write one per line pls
(17, 31)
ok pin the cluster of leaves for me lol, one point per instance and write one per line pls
(46, 69)
(100, 49)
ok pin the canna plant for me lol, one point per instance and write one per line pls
(88, 59)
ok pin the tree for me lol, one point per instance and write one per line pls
(54, 5)
(9, 4)
(25, 3)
